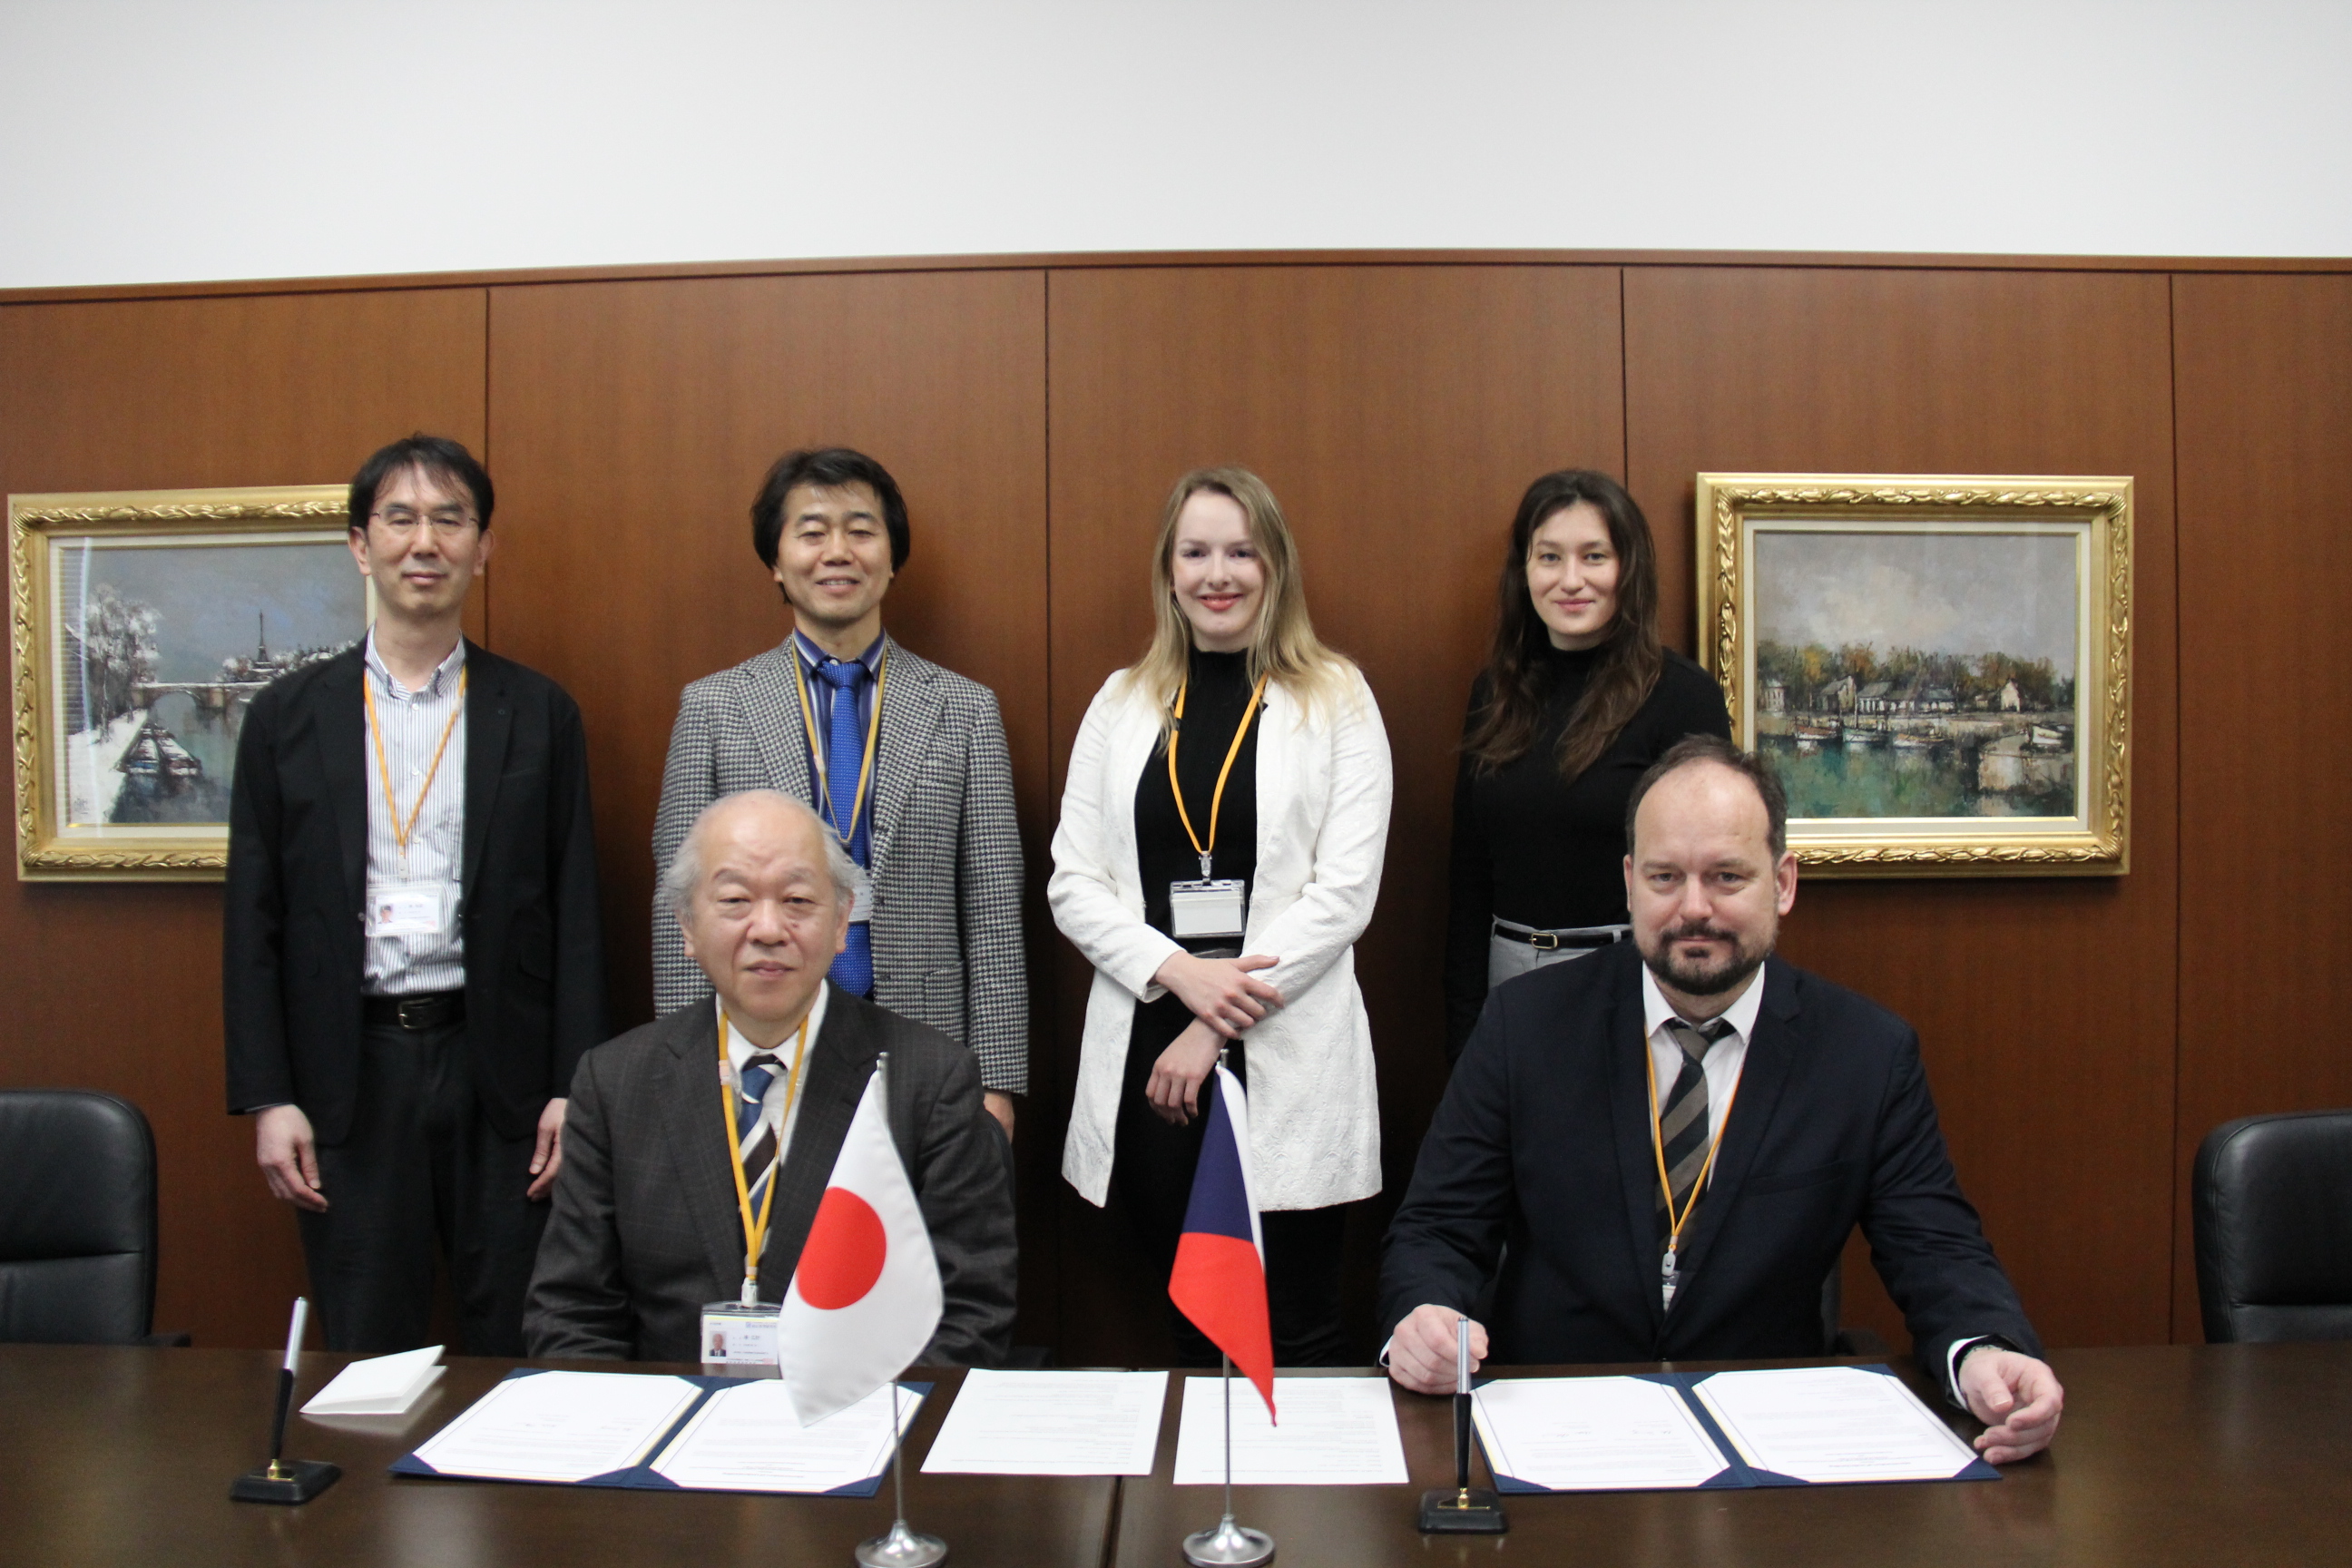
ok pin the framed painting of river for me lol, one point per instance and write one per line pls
(1937, 667)
(144, 623)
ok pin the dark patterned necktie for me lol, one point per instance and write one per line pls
(755, 1135)
(1682, 1124)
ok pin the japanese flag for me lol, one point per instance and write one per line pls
(865, 1298)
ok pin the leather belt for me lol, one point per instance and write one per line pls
(1575, 938)
(425, 1010)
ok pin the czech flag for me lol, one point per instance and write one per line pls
(864, 1296)
(1219, 1281)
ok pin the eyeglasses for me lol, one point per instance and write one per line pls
(448, 523)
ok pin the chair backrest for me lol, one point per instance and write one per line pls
(2273, 1198)
(76, 1218)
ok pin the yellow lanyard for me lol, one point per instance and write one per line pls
(401, 830)
(1216, 801)
(755, 1231)
(1675, 1222)
(816, 749)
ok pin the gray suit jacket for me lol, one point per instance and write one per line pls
(945, 850)
(644, 1229)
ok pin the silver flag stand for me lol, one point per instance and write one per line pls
(1228, 1545)
(902, 1548)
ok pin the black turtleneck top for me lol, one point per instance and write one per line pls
(1532, 847)
(1215, 695)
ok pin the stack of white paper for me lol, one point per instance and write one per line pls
(1832, 1423)
(750, 1438)
(1594, 1433)
(382, 1386)
(559, 1426)
(1051, 1424)
(1334, 1432)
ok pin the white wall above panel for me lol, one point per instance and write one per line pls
(146, 141)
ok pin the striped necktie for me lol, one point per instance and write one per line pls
(755, 1135)
(1682, 1125)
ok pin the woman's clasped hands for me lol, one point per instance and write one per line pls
(1225, 998)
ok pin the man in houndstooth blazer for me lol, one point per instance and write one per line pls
(942, 848)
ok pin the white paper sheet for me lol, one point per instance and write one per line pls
(381, 1385)
(1832, 1423)
(559, 1426)
(1334, 1432)
(749, 1439)
(1594, 1433)
(1051, 1424)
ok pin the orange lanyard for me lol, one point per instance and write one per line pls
(1676, 1222)
(402, 830)
(816, 748)
(755, 1231)
(1216, 801)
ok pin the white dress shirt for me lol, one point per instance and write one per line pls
(779, 1101)
(410, 726)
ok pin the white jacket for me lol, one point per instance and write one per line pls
(1323, 788)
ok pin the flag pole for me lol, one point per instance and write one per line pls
(1228, 1545)
(902, 1548)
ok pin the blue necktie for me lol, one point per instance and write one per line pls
(754, 1139)
(844, 756)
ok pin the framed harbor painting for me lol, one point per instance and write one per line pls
(145, 622)
(1937, 667)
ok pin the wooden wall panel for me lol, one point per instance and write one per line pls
(631, 425)
(1398, 413)
(2046, 1006)
(117, 986)
(2265, 369)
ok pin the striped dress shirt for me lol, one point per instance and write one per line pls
(410, 725)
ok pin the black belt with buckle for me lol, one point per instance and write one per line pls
(425, 1010)
(1581, 939)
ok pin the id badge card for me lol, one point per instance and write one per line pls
(407, 909)
(736, 1335)
(1206, 908)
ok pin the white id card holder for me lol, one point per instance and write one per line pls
(407, 909)
(1206, 908)
(736, 1335)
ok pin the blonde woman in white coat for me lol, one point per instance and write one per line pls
(1284, 863)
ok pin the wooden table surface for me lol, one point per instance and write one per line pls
(2203, 1455)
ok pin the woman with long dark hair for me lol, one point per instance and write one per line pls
(1578, 698)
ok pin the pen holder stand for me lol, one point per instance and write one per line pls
(1463, 1510)
(285, 1480)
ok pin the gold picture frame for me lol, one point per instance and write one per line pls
(130, 662)
(1971, 637)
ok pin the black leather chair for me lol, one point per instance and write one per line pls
(77, 1220)
(2273, 1198)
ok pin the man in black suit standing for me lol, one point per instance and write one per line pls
(1675, 1138)
(413, 962)
(678, 1129)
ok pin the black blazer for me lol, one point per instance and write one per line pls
(1543, 1139)
(293, 943)
(645, 1230)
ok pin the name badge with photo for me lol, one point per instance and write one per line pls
(1207, 908)
(736, 1335)
(407, 909)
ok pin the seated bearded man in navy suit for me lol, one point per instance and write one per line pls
(1675, 1138)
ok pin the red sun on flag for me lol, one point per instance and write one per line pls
(845, 1250)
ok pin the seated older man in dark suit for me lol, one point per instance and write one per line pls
(649, 1224)
(1676, 1139)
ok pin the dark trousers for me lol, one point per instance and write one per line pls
(422, 1176)
(1152, 1172)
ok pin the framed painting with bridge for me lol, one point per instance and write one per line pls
(145, 622)
(1937, 666)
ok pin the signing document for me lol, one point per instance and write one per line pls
(1832, 1423)
(560, 1426)
(749, 1439)
(1052, 1424)
(1595, 1433)
(1335, 1432)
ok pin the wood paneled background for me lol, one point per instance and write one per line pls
(2082, 1035)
